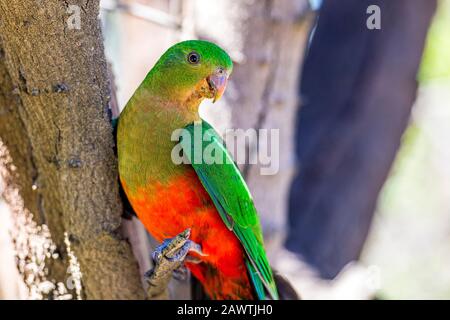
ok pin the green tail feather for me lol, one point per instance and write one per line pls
(258, 285)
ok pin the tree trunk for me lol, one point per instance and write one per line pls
(56, 155)
(359, 86)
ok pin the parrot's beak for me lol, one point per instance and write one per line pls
(217, 83)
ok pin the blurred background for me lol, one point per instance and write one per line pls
(361, 205)
(360, 208)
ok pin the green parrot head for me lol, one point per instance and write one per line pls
(192, 70)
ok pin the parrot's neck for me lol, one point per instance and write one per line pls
(145, 131)
(179, 107)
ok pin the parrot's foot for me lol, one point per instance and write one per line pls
(176, 249)
(168, 258)
(180, 273)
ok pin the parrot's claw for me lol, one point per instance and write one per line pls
(188, 246)
(168, 259)
(173, 249)
(180, 273)
(176, 249)
(163, 249)
(193, 260)
(195, 247)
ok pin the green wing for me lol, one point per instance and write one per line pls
(230, 194)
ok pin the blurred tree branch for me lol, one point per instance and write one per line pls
(358, 88)
(142, 11)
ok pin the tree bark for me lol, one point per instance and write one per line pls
(57, 145)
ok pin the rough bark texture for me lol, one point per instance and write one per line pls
(54, 125)
(358, 87)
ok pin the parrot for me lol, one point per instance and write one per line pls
(212, 200)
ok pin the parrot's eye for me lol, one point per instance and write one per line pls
(193, 57)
